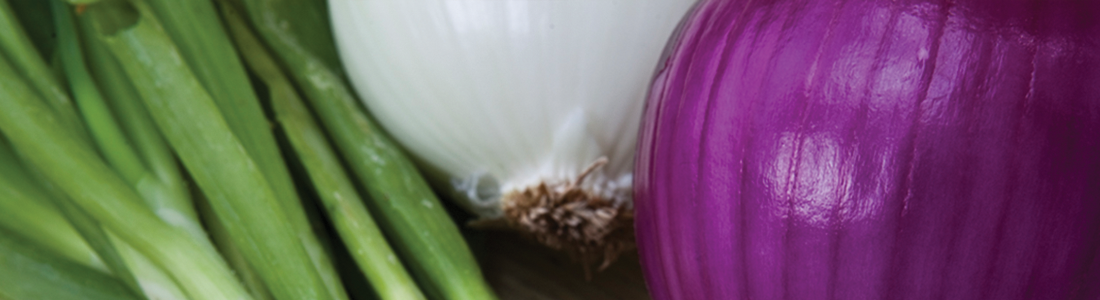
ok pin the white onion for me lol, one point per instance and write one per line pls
(505, 95)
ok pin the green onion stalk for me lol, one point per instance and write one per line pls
(28, 210)
(343, 205)
(30, 273)
(153, 167)
(205, 46)
(165, 198)
(406, 208)
(34, 207)
(37, 21)
(188, 117)
(17, 46)
(156, 155)
(36, 131)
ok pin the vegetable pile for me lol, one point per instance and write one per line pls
(137, 142)
(874, 150)
(786, 149)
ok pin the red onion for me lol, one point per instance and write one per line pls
(877, 149)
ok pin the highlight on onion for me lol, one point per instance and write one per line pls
(874, 149)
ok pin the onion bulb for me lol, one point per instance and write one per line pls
(528, 110)
(874, 149)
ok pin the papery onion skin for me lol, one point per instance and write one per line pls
(874, 150)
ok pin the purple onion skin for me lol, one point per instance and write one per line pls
(877, 149)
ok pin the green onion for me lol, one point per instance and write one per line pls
(342, 203)
(37, 20)
(101, 122)
(17, 46)
(208, 51)
(35, 130)
(231, 252)
(155, 283)
(407, 210)
(164, 195)
(28, 210)
(31, 274)
(86, 226)
(25, 209)
(189, 119)
(165, 191)
(106, 135)
(99, 240)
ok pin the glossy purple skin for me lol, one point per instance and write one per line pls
(874, 150)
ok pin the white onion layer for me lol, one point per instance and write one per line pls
(516, 92)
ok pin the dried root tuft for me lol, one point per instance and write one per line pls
(568, 218)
